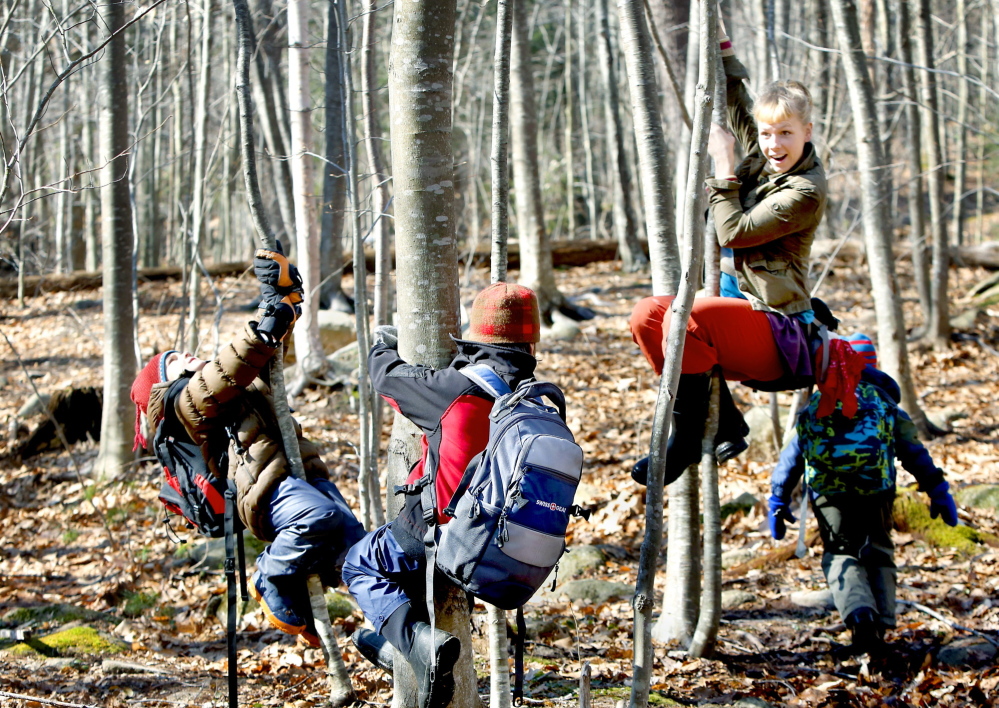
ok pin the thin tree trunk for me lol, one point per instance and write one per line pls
(677, 596)
(961, 144)
(90, 201)
(198, 211)
(982, 142)
(938, 320)
(341, 692)
(334, 178)
(709, 618)
(877, 231)
(308, 348)
(499, 659)
(682, 146)
(917, 225)
(420, 84)
(116, 228)
(567, 143)
(592, 202)
(657, 192)
(625, 226)
(498, 158)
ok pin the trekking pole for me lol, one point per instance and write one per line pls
(341, 691)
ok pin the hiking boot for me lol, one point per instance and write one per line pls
(732, 428)
(375, 648)
(684, 446)
(433, 691)
(277, 605)
(866, 631)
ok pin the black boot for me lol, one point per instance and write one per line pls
(375, 648)
(866, 630)
(732, 429)
(433, 691)
(689, 414)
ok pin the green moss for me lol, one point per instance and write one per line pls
(624, 693)
(62, 614)
(912, 514)
(76, 640)
(138, 602)
(339, 605)
(70, 536)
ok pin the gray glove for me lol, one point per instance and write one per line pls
(387, 335)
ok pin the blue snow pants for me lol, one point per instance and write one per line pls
(377, 572)
(313, 527)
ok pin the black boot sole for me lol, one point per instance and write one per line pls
(442, 688)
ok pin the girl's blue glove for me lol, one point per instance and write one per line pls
(942, 504)
(780, 512)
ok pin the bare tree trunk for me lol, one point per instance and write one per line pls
(334, 177)
(567, 143)
(592, 202)
(657, 192)
(498, 159)
(961, 144)
(116, 228)
(625, 226)
(982, 100)
(198, 211)
(709, 617)
(308, 349)
(917, 225)
(341, 692)
(420, 84)
(676, 620)
(499, 659)
(938, 320)
(93, 245)
(682, 145)
(376, 165)
(536, 269)
(877, 231)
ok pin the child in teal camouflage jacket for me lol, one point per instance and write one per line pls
(848, 462)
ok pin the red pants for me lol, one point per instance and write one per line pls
(721, 330)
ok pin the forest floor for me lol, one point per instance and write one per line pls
(79, 554)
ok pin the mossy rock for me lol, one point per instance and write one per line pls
(623, 693)
(81, 640)
(340, 605)
(913, 515)
(61, 614)
(979, 496)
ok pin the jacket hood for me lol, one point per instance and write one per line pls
(513, 365)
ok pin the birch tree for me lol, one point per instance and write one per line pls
(420, 92)
(892, 351)
(117, 244)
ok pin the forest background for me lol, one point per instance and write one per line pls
(121, 151)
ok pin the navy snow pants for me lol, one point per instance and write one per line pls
(314, 527)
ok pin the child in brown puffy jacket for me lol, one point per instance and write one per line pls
(224, 408)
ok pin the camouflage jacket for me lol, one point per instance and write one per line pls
(856, 456)
(769, 220)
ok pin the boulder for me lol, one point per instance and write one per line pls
(579, 559)
(979, 496)
(595, 592)
(737, 556)
(761, 433)
(336, 330)
(814, 599)
(731, 599)
(563, 329)
(744, 502)
(968, 652)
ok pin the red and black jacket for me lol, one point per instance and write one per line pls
(453, 414)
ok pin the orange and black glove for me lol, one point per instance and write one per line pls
(280, 294)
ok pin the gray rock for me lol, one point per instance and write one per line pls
(744, 502)
(761, 432)
(579, 559)
(563, 329)
(596, 591)
(970, 651)
(62, 662)
(336, 329)
(209, 553)
(814, 599)
(110, 666)
(731, 599)
(36, 404)
(965, 320)
(751, 702)
(736, 598)
(943, 419)
(979, 496)
(540, 625)
(737, 556)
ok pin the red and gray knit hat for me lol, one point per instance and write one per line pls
(505, 313)
(152, 373)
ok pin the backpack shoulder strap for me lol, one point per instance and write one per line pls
(485, 378)
(536, 389)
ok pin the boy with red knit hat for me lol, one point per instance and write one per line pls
(845, 444)
(222, 409)
(386, 571)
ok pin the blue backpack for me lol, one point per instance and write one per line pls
(512, 506)
(855, 454)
